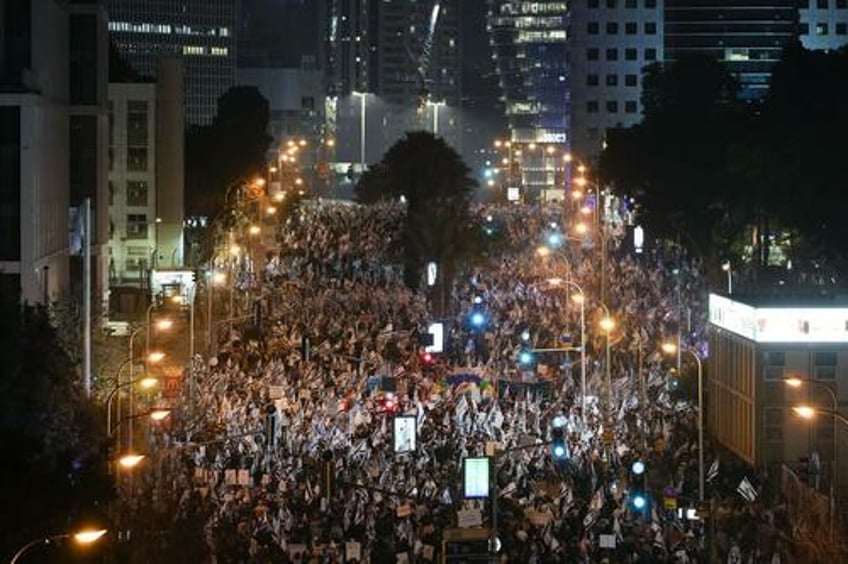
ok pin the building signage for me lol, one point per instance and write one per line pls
(780, 324)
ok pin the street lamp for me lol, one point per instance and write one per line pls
(84, 537)
(579, 298)
(147, 383)
(807, 412)
(671, 348)
(435, 106)
(362, 96)
(726, 267)
(130, 461)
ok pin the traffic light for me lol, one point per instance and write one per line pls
(638, 496)
(559, 450)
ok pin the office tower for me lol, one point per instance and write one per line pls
(747, 37)
(146, 175)
(53, 152)
(531, 50)
(610, 42)
(201, 32)
(823, 24)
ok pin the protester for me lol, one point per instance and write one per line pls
(313, 393)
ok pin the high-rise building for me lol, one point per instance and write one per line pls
(748, 37)
(531, 50)
(609, 44)
(53, 151)
(146, 176)
(201, 32)
(350, 53)
(823, 24)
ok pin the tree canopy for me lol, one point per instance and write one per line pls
(51, 443)
(437, 187)
(232, 147)
(711, 170)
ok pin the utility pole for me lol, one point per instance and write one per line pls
(86, 298)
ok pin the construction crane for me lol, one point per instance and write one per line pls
(423, 60)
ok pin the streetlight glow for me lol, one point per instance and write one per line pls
(581, 228)
(543, 251)
(793, 382)
(129, 461)
(271, 210)
(219, 278)
(88, 536)
(668, 348)
(155, 357)
(159, 414)
(607, 324)
(148, 382)
(164, 324)
(255, 230)
(805, 411)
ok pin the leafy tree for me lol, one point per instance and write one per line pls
(51, 443)
(676, 162)
(436, 185)
(231, 148)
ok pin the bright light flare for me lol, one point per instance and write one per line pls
(805, 411)
(130, 460)
(88, 536)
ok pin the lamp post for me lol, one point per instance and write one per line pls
(671, 348)
(726, 267)
(435, 106)
(608, 324)
(147, 382)
(85, 536)
(796, 382)
(579, 298)
(362, 96)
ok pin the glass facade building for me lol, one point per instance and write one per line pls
(746, 36)
(201, 32)
(531, 52)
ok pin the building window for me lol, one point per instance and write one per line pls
(591, 80)
(612, 80)
(592, 54)
(136, 123)
(631, 28)
(611, 4)
(841, 28)
(841, 4)
(773, 365)
(631, 80)
(821, 29)
(612, 28)
(10, 185)
(592, 28)
(136, 226)
(594, 3)
(612, 107)
(650, 54)
(804, 29)
(629, 3)
(137, 159)
(773, 422)
(825, 368)
(136, 193)
(630, 54)
(650, 28)
(612, 54)
(821, 4)
(592, 107)
(630, 107)
(650, 3)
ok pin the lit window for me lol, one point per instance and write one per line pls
(821, 29)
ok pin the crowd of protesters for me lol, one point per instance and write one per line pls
(288, 454)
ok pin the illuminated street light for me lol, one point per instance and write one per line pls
(805, 411)
(607, 324)
(567, 157)
(129, 461)
(255, 230)
(164, 324)
(159, 414)
(235, 250)
(271, 210)
(84, 537)
(219, 278)
(581, 229)
(148, 383)
(155, 357)
(580, 181)
(298, 181)
(279, 196)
